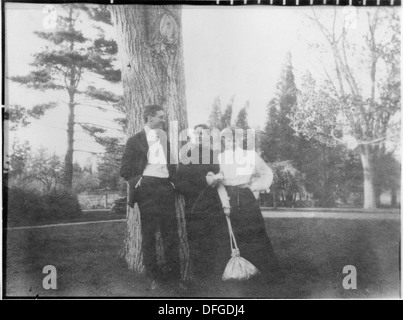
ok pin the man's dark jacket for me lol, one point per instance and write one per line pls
(191, 181)
(134, 162)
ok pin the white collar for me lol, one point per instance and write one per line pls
(151, 134)
(147, 128)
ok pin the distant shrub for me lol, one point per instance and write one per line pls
(27, 206)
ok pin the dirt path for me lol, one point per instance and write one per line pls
(64, 224)
(330, 215)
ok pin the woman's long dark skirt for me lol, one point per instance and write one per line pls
(250, 234)
(202, 215)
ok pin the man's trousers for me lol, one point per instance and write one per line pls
(157, 211)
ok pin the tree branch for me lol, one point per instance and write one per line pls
(97, 125)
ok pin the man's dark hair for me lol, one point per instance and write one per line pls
(151, 110)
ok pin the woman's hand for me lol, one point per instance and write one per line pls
(227, 211)
(219, 176)
(212, 179)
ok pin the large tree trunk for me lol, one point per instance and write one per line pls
(151, 51)
(369, 186)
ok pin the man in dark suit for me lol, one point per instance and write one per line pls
(145, 165)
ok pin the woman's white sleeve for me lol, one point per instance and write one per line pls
(222, 193)
(262, 177)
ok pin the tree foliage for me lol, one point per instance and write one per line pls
(227, 115)
(288, 184)
(108, 172)
(84, 180)
(38, 171)
(242, 117)
(280, 143)
(68, 61)
(21, 117)
(359, 99)
(215, 115)
(221, 120)
(18, 157)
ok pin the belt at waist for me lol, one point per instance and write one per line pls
(157, 180)
(241, 186)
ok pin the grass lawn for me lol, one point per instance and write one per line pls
(312, 253)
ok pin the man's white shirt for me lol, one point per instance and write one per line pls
(157, 163)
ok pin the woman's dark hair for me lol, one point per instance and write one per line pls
(151, 110)
(231, 130)
(202, 125)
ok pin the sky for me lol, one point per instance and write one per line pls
(228, 51)
(237, 51)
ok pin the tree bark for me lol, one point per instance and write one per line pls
(393, 200)
(150, 47)
(369, 187)
(274, 198)
(378, 193)
(68, 160)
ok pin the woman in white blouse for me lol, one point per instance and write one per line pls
(243, 173)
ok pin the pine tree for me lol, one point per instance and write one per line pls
(19, 116)
(242, 118)
(215, 115)
(218, 119)
(69, 58)
(270, 137)
(281, 143)
(227, 115)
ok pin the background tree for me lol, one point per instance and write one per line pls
(218, 119)
(288, 184)
(151, 52)
(215, 116)
(241, 121)
(19, 116)
(242, 117)
(69, 58)
(280, 146)
(39, 171)
(280, 142)
(341, 109)
(84, 179)
(270, 135)
(18, 157)
(387, 177)
(227, 115)
(16, 117)
(324, 169)
(108, 171)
